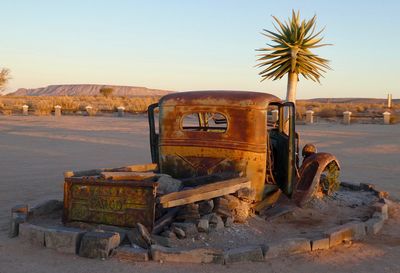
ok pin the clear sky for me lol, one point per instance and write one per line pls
(194, 45)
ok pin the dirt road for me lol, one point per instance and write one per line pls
(36, 150)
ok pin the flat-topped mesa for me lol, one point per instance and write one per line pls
(89, 90)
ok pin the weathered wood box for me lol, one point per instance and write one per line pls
(94, 199)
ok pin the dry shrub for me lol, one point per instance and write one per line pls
(300, 112)
(135, 105)
(394, 118)
(4, 108)
(140, 104)
(41, 107)
(327, 113)
(6, 112)
(313, 105)
(15, 103)
(327, 110)
(359, 108)
(66, 103)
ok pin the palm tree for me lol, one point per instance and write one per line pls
(4, 77)
(291, 53)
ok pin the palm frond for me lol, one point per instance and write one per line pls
(4, 77)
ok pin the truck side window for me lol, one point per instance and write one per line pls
(287, 115)
(272, 117)
(204, 122)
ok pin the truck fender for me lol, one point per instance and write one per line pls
(310, 174)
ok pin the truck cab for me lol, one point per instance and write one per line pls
(206, 132)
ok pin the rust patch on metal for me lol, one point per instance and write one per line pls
(118, 203)
(185, 167)
(240, 147)
(220, 97)
(202, 163)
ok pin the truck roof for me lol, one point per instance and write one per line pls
(220, 97)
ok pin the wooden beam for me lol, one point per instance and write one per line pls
(138, 176)
(131, 168)
(268, 201)
(165, 220)
(205, 192)
(135, 168)
(93, 172)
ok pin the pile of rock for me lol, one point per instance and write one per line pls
(100, 241)
(208, 215)
(190, 221)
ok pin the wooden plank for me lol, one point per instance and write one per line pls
(279, 211)
(205, 192)
(131, 168)
(165, 220)
(135, 168)
(138, 176)
(93, 172)
(205, 188)
(268, 201)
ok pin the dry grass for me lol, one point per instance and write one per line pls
(45, 105)
(328, 110)
(395, 118)
(76, 104)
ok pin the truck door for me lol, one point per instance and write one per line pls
(283, 148)
(153, 133)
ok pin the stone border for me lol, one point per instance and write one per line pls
(105, 244)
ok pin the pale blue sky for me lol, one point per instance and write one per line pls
(193, 45)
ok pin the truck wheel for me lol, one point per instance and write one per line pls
(318, 176)
(329, 181)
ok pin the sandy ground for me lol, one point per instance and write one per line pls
(36, 150)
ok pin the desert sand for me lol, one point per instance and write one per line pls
(36, 150)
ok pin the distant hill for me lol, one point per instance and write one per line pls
(349, 100)
(132, 91)
(88, 90)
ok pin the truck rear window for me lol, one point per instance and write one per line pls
(204, 122)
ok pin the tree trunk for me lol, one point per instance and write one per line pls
(290, 96)
(291, 87)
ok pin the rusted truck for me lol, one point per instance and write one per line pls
(206, 136)
(206, 132)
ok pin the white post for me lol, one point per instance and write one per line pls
(121, 110)
(347, 117)
(89, 110)
(310, 116)
(386, 117)
(25, 109)
(274, 115)
(57, 110)
(389, 101)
